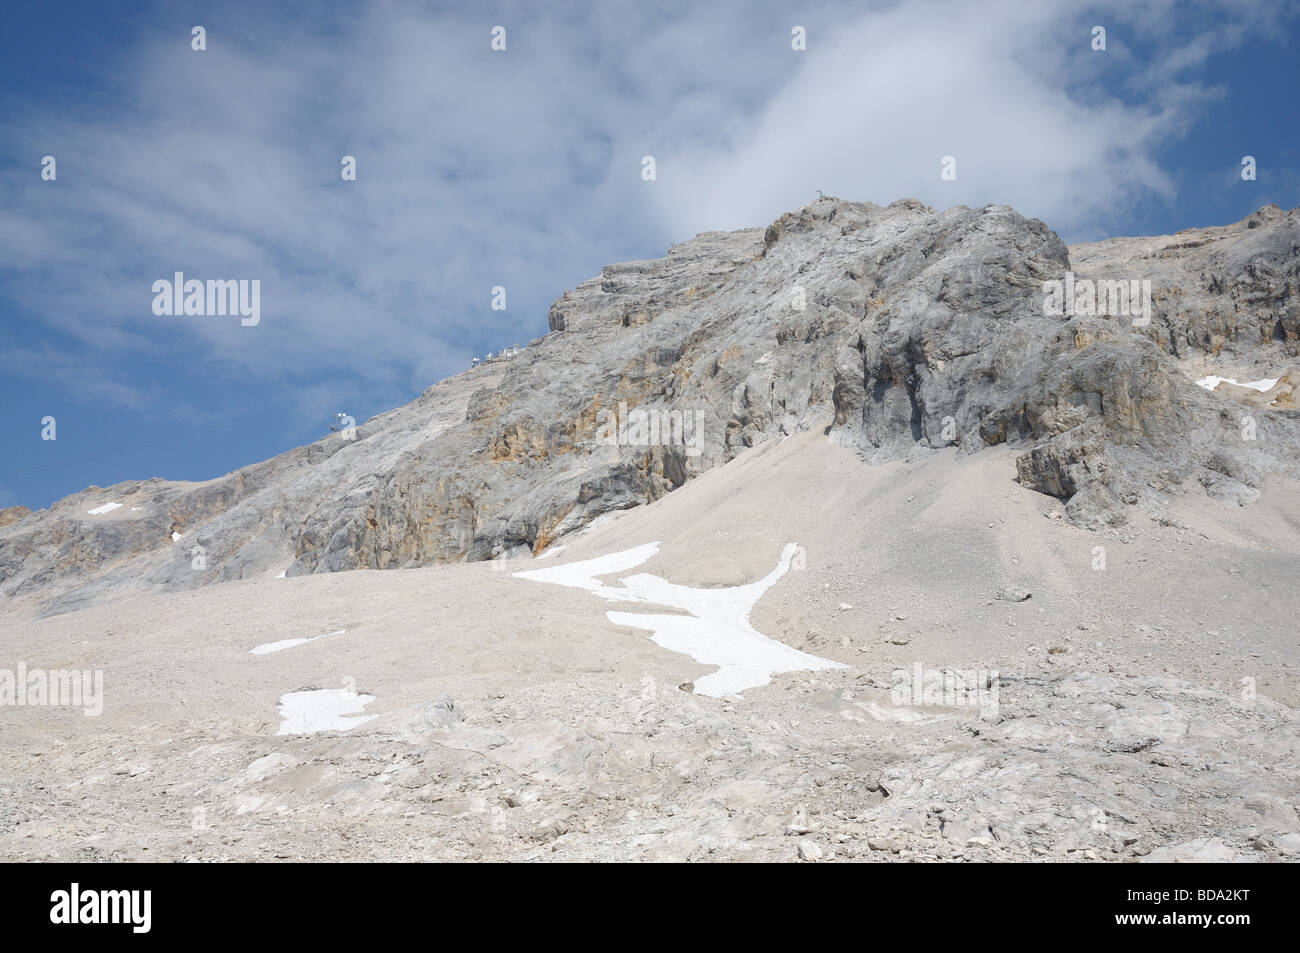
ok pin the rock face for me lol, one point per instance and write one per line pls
(12, 514)
(1230, 293)
(897, 330)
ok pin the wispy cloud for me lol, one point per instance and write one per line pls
(1013, 92)
(522, 168)
(62, 370)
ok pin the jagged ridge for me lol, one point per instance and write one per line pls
(920, 330)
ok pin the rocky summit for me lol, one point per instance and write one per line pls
(897, 332)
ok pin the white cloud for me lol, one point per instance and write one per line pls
(1012, 91)
(522, 169)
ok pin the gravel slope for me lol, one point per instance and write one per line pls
(515, 721)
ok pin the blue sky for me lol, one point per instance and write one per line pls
(522, 169)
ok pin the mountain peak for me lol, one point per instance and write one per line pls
(898, 332)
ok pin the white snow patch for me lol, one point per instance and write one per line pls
(717, 632)
(582, 574)
(106, 508)
(555, 551)
(1266, 384)
(325, 709)
(268, 647)
(1211, 382)
(175, 536)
